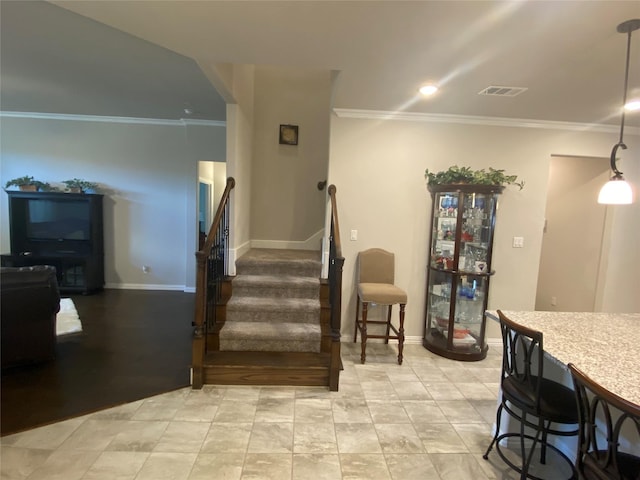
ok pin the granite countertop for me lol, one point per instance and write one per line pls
(605, 346)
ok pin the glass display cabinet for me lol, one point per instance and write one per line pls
(462, 225)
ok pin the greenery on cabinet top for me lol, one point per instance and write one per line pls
(456, 175)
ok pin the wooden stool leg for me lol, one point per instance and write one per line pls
(363, 333)
(386, 340)
(355, 334)
(401, 334)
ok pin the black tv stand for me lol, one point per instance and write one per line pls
(59, 229)
(75, 274)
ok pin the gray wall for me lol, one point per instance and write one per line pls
(148, 173)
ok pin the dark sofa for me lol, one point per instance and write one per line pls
(29, 302)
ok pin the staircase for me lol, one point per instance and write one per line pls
(275, 326)
(276, 322)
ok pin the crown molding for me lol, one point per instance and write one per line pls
(479, 120)
(204, 123)
(105, 119)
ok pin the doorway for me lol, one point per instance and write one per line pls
(204, 210)
(574, 232)
(212, 177)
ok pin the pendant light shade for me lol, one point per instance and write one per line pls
(617, 191)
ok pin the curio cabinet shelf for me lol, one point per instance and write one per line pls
(459, 269)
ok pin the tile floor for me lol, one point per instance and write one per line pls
(430, 418)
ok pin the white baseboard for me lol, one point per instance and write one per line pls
(408, 340)
(314, 242)
(146, 286)
(412, 340)
(234, 254)
(417, 340)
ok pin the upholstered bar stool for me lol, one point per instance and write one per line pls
(376, 270)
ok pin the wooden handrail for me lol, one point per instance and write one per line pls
(211, 268)
(334, 220)
(231, 182)
(336, 262)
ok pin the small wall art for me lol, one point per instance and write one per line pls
(289, 134)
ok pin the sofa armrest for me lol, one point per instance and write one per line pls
(30, 300)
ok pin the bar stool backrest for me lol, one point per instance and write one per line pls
(522, 362)
(609, 432)
(376, 265)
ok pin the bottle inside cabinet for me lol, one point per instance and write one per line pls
(463, 219)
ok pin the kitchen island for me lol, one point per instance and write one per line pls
(605, 346)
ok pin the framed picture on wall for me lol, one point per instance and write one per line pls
(289, 134)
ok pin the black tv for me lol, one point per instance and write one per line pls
(48, 219)
(46, 223)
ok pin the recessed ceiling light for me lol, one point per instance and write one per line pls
(428, 90)
(633, 105)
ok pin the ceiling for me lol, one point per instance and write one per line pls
(142, 58)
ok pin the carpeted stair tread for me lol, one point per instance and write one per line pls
(276, 286)
(275, 304)
(281, 310)
(263, 261)
(276, 337)
(292, 281)
(274, 254)
(280, 268)
(271, 305)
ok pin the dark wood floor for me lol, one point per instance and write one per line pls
(134, 344)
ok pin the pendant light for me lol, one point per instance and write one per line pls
(617, 191)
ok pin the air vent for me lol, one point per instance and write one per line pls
(502, 91)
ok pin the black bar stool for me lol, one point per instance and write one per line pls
(603, 417)
(530, 398)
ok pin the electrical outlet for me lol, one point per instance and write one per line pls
(354, 235)
(146, 268)
(554, 301)
(518, 242)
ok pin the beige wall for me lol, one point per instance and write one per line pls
(573, 235)
(239, 148)
(378, 169)
(286, 205)
(201, 145)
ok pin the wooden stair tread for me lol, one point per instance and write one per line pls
(286, 360)
(266, 368)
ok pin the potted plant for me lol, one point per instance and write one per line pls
(78, 185)
(464, 175)
(27, 184)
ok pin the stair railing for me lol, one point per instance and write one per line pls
(336, 262)
(211, 269)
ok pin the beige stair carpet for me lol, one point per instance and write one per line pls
(275, 304)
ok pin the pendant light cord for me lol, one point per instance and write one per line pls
(629, 26)
(626, 83)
